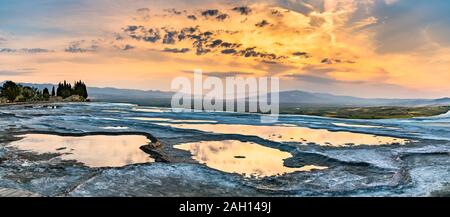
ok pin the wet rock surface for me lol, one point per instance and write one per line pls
(420, 168)
(164, 180)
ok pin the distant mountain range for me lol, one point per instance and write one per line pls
(307, 98)
(287, 98)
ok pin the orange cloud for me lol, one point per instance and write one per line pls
(154, 45)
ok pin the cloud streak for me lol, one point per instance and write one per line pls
(21, 72)
(25, 50)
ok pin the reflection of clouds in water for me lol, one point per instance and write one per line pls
(256, 160)
(217, 149)
(295, 134)
(93, 151)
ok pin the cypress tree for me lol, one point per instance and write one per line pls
(65, 89)
(80, 89)
(45, 94)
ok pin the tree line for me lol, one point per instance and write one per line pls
(13, 92)
(66, 90)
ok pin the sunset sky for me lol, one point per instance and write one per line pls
(367, 48)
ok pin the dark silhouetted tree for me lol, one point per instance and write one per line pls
(46, 94)
(80, 89)
(53, 91)
(64, 90)
(10, 91)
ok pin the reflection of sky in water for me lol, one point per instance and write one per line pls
(93, 151)
(114, 111)
(354, 125)
(295, 134)
(192, 121)
(172, 120)
(151, 119)
(152, 110)
(362, 126)
(286, 125)
(110, 119)
(245, 158)
(114, 128)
